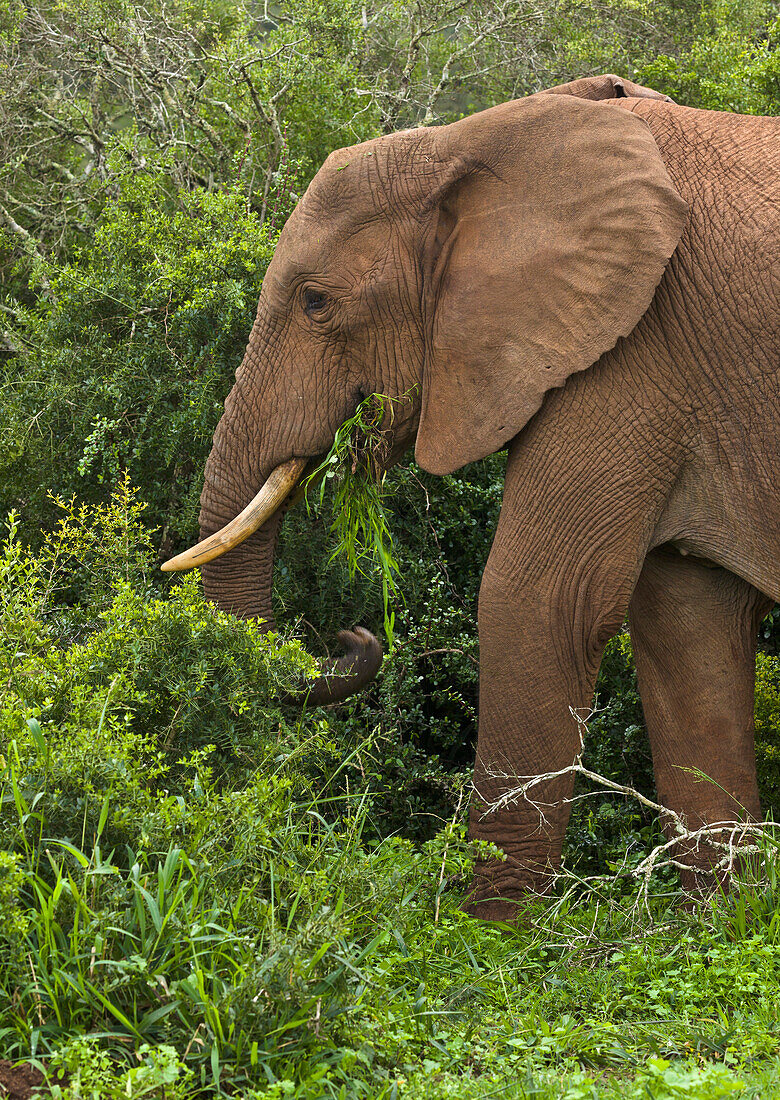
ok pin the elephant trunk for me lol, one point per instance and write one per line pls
(237, 563)
(241, 581)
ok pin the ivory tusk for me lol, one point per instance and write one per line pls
(273, 493)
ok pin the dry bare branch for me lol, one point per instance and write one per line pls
(723, 846)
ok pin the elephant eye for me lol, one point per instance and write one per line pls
(314, 300)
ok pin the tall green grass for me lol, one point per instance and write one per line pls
(200, 895)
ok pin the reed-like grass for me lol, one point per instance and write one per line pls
(356, 466)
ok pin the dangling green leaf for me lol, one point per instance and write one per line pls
(356, 464)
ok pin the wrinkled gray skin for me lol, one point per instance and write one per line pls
(594, 284)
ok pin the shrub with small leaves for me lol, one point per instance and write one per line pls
(90, 1074)
(124, 365)
(14, 921)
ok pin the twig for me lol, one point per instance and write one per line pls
(444, 856)
(729, 840)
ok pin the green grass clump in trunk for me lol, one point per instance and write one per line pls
(356, 465)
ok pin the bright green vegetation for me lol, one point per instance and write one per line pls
(356, 463)
(204, 886)
(199, 888)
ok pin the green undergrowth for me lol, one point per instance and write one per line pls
(202, 892)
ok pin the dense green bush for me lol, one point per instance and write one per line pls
(122, 703)
(126, 363)
(731, 64)
(190, 853)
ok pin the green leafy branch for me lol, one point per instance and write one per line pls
(356, 465)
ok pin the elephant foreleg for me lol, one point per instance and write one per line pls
(537, 663)
(694, 630)
(576, 521)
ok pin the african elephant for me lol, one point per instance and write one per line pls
(589, 278)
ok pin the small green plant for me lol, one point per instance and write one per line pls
(91, 1077)
(356, 464)
(664, 1080)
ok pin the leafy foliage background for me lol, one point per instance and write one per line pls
(298, 864)
(152, 154)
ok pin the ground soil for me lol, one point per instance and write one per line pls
(19, 1082)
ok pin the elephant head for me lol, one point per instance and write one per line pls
(477, 264)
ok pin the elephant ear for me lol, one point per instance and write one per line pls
(552, 225)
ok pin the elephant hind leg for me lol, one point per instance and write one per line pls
(694, 630)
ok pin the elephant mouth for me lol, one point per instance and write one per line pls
(277, 487)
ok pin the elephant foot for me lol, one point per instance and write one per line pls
(497, 910)
(497, 896)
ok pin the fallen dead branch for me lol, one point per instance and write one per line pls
(727, 844)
